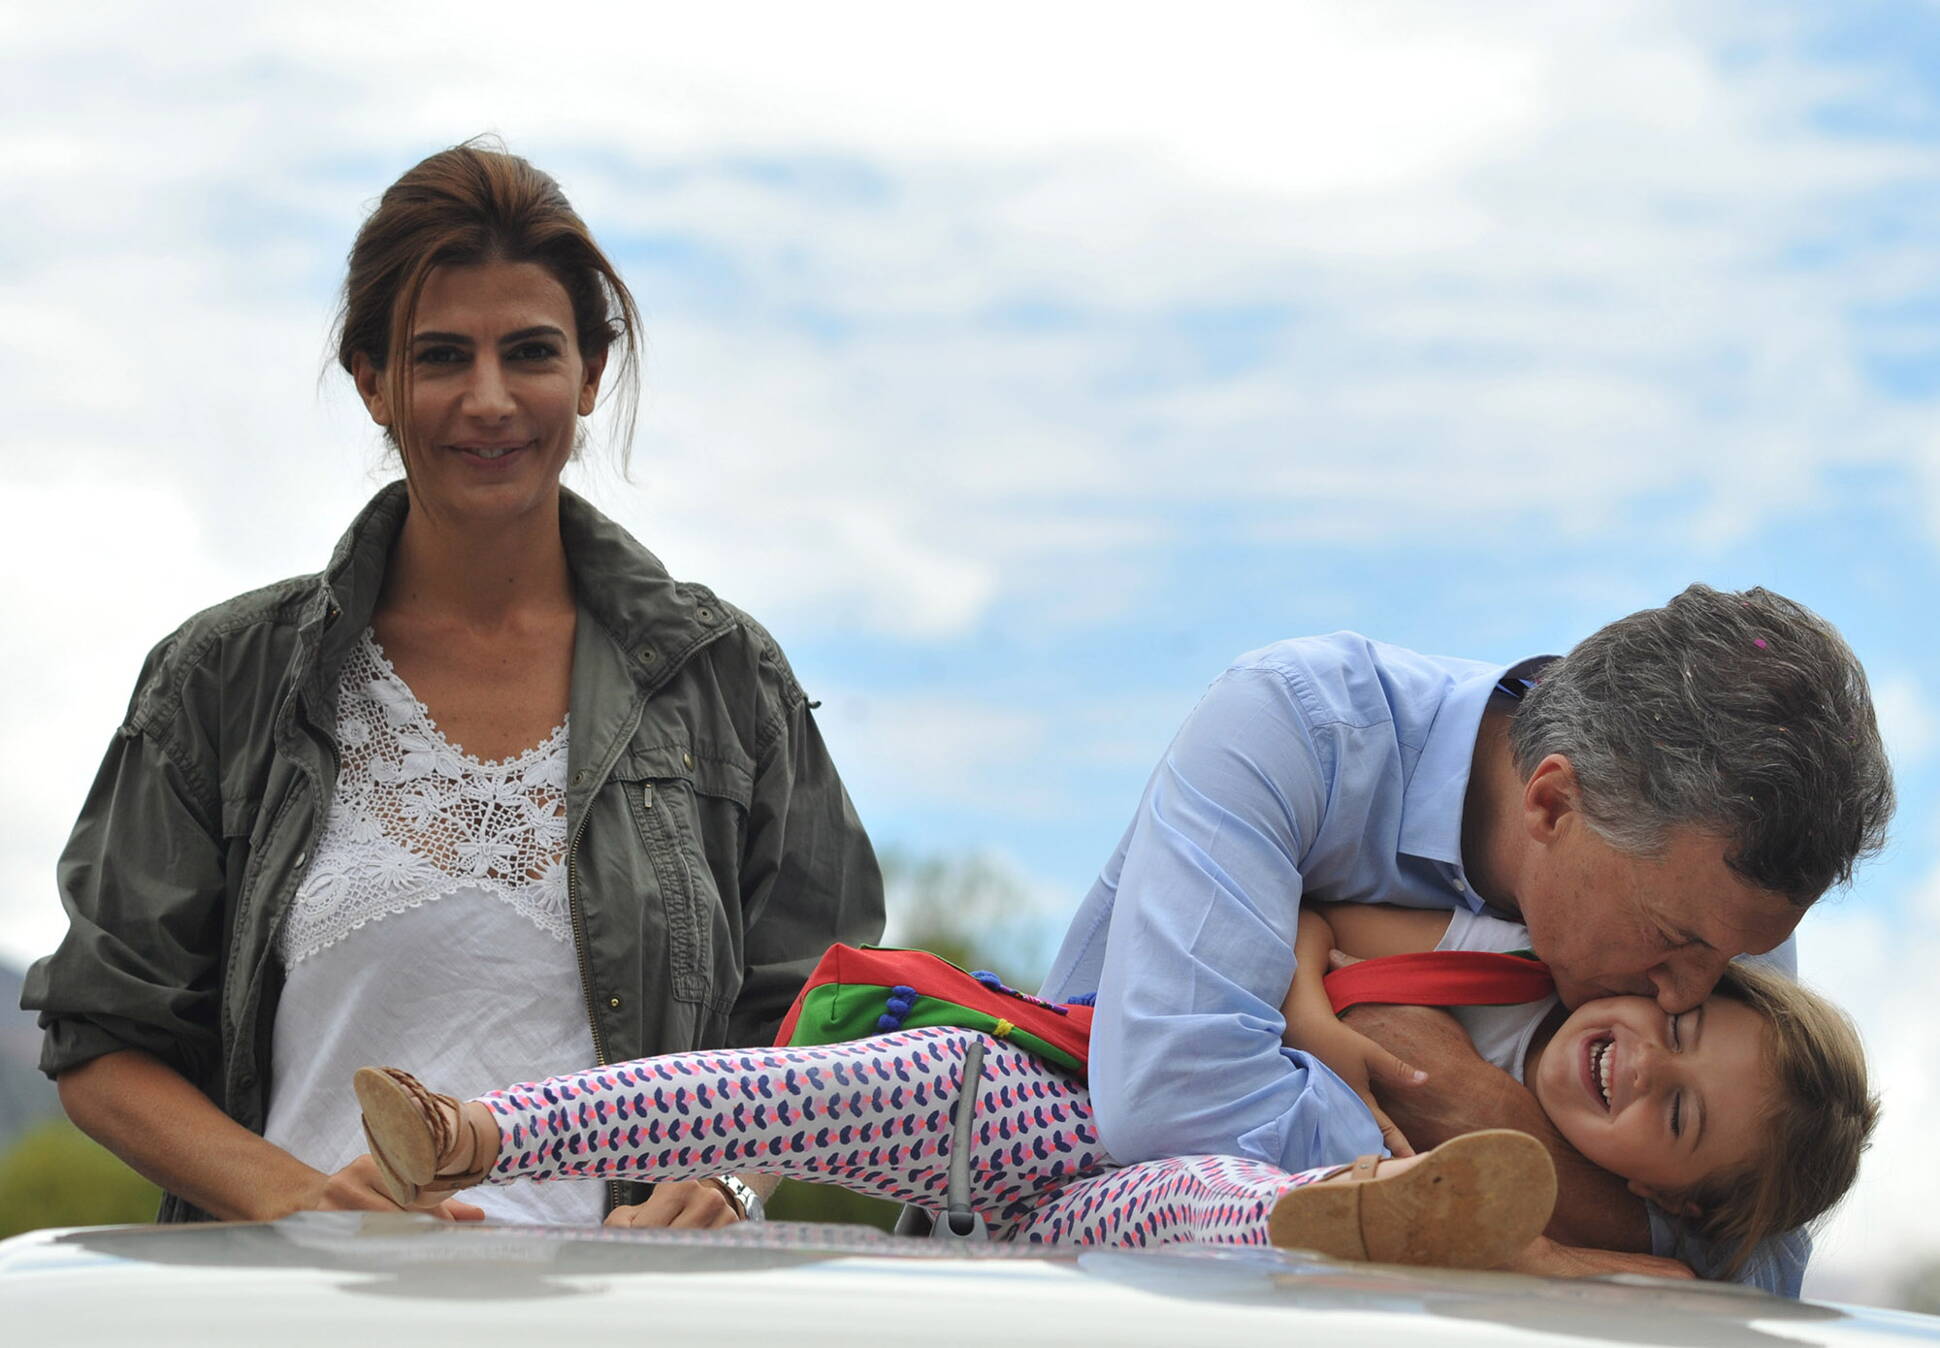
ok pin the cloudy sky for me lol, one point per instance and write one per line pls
(1019, 365)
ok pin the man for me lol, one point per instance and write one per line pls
(1672, 794)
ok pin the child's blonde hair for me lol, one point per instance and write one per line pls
(1820, 1122)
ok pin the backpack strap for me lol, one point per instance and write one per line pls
(1441, 978)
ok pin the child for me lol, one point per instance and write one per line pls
(1745, 1116)
(876, 1115)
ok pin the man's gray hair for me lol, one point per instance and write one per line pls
(1744, 715)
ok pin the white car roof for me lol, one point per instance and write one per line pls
(348, 1279)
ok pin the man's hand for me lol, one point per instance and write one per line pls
(357, 1188)
(1359, 1061)
(1463, 1093)
(689, 1205)
(1545, 1257)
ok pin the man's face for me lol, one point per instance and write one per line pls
(1611, 924)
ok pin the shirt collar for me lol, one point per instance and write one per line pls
(1431, 804)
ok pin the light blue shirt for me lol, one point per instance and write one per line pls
(1326, 767)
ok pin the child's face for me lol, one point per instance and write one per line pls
(1686, 1094)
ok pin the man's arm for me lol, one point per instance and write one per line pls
(1186, 1055)
(1463, 1093)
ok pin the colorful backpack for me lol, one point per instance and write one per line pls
(856, 992)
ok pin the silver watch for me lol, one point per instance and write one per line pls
(741, 1195)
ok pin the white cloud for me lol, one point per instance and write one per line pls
(934, 750)
(1877, 963)
(1525, 255)
(1907, 717)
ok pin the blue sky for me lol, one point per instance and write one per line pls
(1018, 385)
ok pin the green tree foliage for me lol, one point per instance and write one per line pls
(1919, 1289)
(55, 1175)
(795, 1201)
(972, 910)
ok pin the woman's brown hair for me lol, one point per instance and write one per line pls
(1820, 1121)
(472, 204)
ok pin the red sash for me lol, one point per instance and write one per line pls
(1441, 978)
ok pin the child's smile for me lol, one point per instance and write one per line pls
(1664, 1101)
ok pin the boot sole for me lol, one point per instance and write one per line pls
(400, 1139)
(1473, 1202)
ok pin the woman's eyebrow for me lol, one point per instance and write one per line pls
(442, 337)
(538, 330)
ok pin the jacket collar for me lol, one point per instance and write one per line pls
(654, 620)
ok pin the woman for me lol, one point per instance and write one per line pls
(492, 745)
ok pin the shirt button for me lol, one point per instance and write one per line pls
(1460, 888)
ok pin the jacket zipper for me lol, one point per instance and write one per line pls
(613, 1194)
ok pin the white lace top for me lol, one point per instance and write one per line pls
(430, 932)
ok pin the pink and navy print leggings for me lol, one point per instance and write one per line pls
(874, 1115)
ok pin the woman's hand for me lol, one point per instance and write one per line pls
(688, 1205)
(170, 1133)
(357, 1188)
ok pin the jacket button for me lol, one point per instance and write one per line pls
(613, 1002)
(646, 655)
(706, 615)
(687, 760)
(302, 857)
(579, 778)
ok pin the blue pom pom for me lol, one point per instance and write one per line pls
(1083, 999)
(898, 1007)
(988, 979)
(902, 990)
(888, 1023)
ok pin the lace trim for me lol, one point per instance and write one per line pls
(415, 818)
(393, 691)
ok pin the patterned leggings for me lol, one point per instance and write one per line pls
(875, 1116)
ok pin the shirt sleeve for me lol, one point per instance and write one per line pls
(809, 877)
(1186, 1053)
(1777, 1265)
(142, 879)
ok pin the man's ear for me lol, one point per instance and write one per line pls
(1675, 1204)
(370, 387)
(1548, 798)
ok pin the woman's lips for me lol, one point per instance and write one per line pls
(490, 453)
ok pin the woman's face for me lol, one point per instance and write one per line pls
(498, 385)
(1664, 1101)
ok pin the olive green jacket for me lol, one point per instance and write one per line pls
(712, 853)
